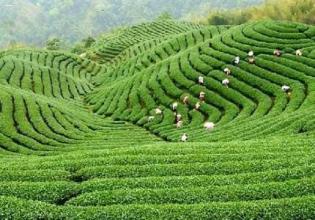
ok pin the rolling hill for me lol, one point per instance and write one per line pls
(81, 138)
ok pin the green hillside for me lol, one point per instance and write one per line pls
(151, 74)
(80, 138)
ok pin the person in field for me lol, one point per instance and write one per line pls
(179, 124)
(178, 117)
(209, 126)
(236, 60)
(226, 82)
(201, 80)
(185, 100)
(184, 137)
(277, 52)
(286, 88)
(227, 71)
(197, 106)
(174, 106)
(252, 60)
(251, 53)
(251, 57)
(202, 96)
(150, 118)
(299, 53)
(158, 111)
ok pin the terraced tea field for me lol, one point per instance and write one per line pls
(101, 139)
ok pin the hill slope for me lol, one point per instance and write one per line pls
(76, 141)
(158, 74)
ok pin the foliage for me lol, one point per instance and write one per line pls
(289, 10)
(71, 21)
(83, 46)
(54, 44)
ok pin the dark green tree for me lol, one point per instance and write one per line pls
(218, 19)
(83, 46)
(54, 44)
(165, 16)
(88, 42)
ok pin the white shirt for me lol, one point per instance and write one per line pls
(151, 118)
(185, 100)
(179, 124)
(174, 106)
(200, 80)
(299, 53)
(158, 111)
(277, 52)
(209, 125)
(227, 70)
(184, 138)
(197, 106)
(285, 88)
(225, 81)
(237, 60)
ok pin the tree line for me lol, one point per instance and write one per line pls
(290, 10)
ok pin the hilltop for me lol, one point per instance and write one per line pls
(80, 137)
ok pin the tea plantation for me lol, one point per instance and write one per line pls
(100, 138)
